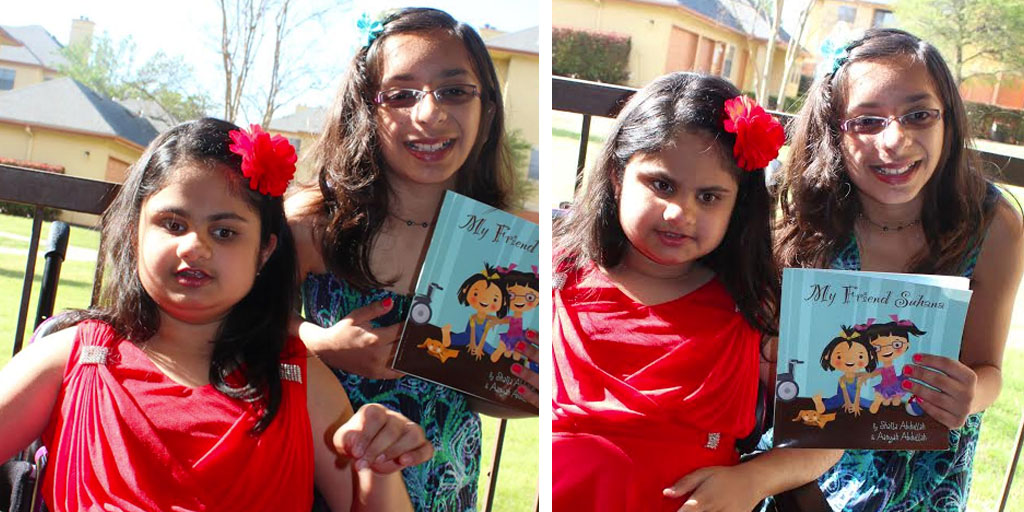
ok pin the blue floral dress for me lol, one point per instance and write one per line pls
(448, 481)
(901, 481)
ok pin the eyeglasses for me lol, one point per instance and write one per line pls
(529, 297)
(448, 95)
(871, 125)
(895, 345)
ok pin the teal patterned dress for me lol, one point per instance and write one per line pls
(447, 482)
(902, 481)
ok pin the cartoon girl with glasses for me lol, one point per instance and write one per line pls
(521, 288)
(890, 341)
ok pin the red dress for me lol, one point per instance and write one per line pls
(644, 395)
(125, 437)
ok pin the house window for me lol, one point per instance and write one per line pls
(847, 13)
(6, 79)
(883, 19)
(730, 55)
(296, 142)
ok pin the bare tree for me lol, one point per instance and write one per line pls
(762, 91)
(243, 24)
(792, 51)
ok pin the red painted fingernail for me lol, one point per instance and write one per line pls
(906, 384)
(521, 390)
(520, 346)
(516, 368)
(917, 358)
(386, 303)
(908, 370)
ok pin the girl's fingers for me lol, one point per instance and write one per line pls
(525, 373)
(951, 367)
(941, 415)
(527, 349)
(936, 398)
(939, 381)
(387, 435)
(354, 436)
(528, 394)
(411, 437)
(370, 311)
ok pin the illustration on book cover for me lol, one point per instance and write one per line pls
(476, 300)
(846, 346)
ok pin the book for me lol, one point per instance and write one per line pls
(476, 298)
(845, 340)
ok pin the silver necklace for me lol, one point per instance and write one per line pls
(410, 222)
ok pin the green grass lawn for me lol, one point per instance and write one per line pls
(517, 475)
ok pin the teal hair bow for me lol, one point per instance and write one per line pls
(833, 56)
(369, 30)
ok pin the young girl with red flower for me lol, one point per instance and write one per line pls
(665, 288)
(182, 390)
(882, 178)
(418, 113)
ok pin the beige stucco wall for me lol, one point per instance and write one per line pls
(24, 75)
(81, 155)
(650, 29)
(519, 76)
(823, 21)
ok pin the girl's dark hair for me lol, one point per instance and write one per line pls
(491, 277)
(826, 355)
(650, 122)
(893, 328)
(352, 178)
(517, 278)
(252, 336)
(818, 206)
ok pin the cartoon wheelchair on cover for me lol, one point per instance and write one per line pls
(419, 311)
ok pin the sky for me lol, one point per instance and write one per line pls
(191, 28)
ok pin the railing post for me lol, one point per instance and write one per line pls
(581, 162)
(492, 478)
(1008, 482)
(30, 270)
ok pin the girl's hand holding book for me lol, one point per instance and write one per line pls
(522, 370)
(952, 404)
(354, 345)
(382, 440)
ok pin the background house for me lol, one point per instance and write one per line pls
(54, 123)
(723, 37)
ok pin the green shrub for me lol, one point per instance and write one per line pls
(27, 210)
(589, 55)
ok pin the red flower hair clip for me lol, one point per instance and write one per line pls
(268, 161)
(758, 135)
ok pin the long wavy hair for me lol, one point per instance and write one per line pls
(252, 336)
(651, 121)
(352, 175)
(815, 192)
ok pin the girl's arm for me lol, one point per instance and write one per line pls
(973, 383)
(358, 456)
(29, 386)
(775, 471)
(351, 344)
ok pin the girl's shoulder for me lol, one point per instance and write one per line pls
(303, 211)
(1004, 241)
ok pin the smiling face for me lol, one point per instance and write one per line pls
(427, 142)
(675, 205)
(891, 167)
(199, 245)
(521, 299)
(485, 297)
(849, 358)
(890, 347)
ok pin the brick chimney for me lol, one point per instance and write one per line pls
(81, 31)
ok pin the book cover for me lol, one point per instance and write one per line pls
(844, 340)
(476, 298)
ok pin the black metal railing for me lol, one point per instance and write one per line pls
(594, 99)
